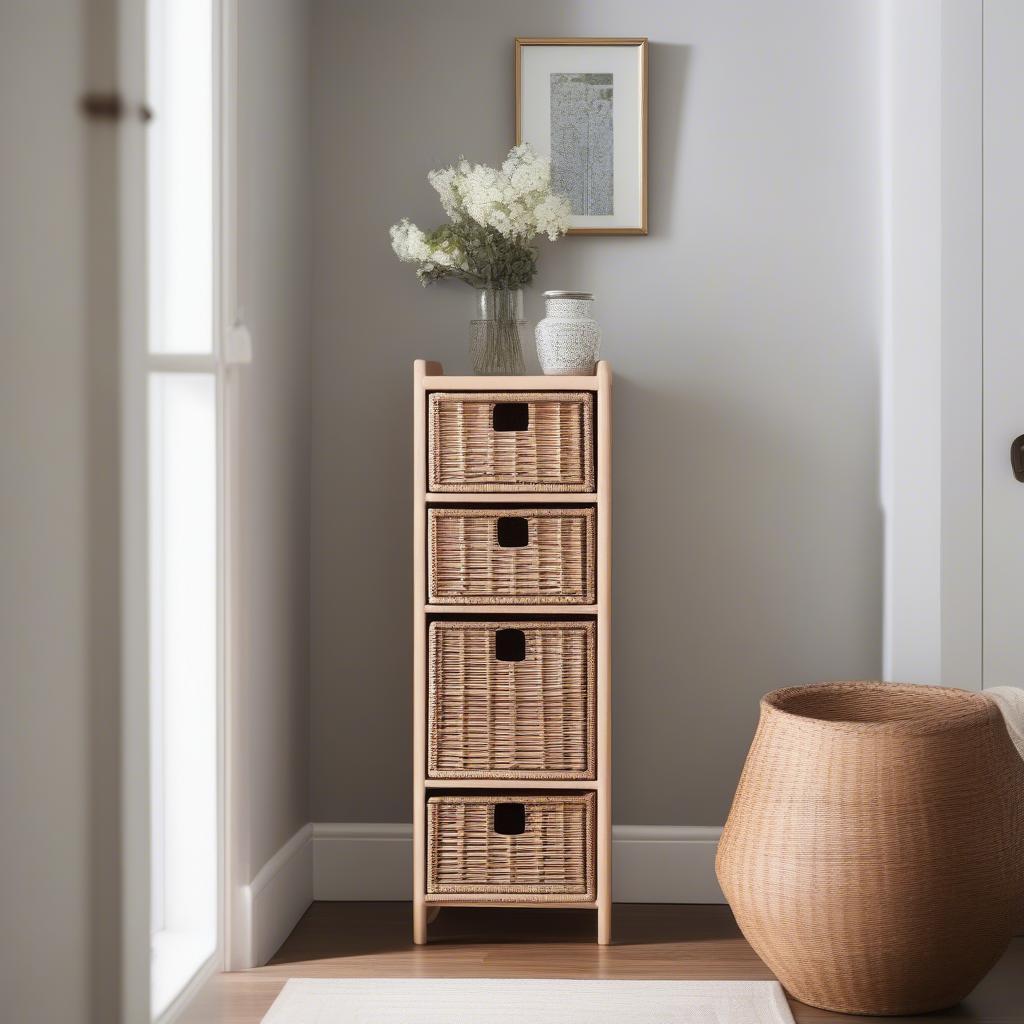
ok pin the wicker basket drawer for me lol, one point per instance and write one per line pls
(512, 848)
(518, 556)
(519, 441)
(511, 700)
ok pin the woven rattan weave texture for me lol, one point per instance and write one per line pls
(468, 565)
(874, 853)
(552, 860)
(528, 719)
(552, 451)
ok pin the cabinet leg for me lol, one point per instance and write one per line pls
(604, 926)
(419, 922)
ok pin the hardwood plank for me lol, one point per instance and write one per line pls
(372, 940)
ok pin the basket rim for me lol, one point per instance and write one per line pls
(514, 796)
(513, 512)
(494, 397)
(489, 625)
(958, 710)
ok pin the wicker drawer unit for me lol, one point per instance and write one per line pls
(511, 441)
(511, 700)
(511, 556)
(511, 680)
(511, 848)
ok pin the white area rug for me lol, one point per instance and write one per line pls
(526, 1001)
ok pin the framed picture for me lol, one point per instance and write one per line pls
(583, 103)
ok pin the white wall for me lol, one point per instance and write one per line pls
(744, 333)
(59, 601)
(274, 286)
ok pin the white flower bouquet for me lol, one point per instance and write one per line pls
(494, 213)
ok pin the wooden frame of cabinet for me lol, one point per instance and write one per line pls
(428, 377)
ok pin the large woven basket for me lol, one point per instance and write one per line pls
(873, 854)
(516, 441)
(511, 700)
(550, 860)
(470, 563)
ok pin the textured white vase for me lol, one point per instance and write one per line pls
(568, 338)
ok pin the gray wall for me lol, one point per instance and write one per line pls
(59, 562)
(744, 333)
(274, 288)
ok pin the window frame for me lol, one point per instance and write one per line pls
(221, 364)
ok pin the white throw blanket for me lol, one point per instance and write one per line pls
(1010, 701)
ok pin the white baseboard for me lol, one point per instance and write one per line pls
(279, 895)
(362, 862)
(665, 864)
(343, 861)
(650, 863)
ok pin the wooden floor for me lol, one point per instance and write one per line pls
(372, 940)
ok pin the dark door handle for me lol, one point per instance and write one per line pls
(1017, 457)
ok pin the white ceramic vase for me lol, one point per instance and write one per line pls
(568, 338)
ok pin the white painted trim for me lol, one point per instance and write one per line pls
(651, 863)
(276, 898)
(280, 862)
(912, 338)
(665, 864)
(354, 861)
(962, 343)
(237, 896)
(931, 346)
(183, 1001)
(130, 31)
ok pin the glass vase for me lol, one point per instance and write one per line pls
(494, 334)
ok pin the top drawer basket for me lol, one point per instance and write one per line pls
(511, 441)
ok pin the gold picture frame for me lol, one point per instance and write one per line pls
(639, 227)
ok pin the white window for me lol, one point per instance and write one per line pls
(185, 456)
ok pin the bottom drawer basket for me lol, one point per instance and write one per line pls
(514, 848)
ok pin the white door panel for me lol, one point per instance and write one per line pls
(1003, 341)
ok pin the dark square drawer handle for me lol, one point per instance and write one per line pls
(509, 645)
(509, 819)
(510, 416)
(513, 532)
